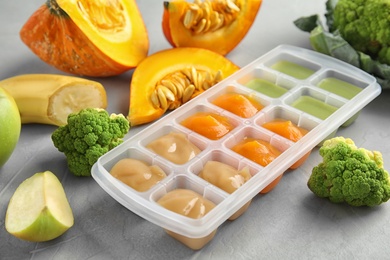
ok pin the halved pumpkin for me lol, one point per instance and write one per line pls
(215, 25)
(168, 78)
(87, 37)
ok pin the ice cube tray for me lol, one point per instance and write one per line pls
(185, 176)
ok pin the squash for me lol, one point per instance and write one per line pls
(169, 78)
(86, 37)
(215, 25)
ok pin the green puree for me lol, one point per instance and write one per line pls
(339, 87)
(292, 69)
(314, 107)
(266, 87)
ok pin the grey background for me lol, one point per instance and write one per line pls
(287, 223)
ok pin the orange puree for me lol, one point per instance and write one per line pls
(286, 129)
(290, 131)
(190, 204)
(137, 174)
(238, 104)
(261, 152)
(210, 125)
(257, 150)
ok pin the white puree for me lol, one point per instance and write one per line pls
(137, 174)
(174, 147)
(224, 176)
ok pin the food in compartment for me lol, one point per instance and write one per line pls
(184, 152)
(339, 87)
(226, 178)
(238, 104)
(175, 147)
(314, 107)
(292, 69)
(261, 152)
(208, 124)
(288, 130)
(266, 87)
(190, 204)
(137, 174)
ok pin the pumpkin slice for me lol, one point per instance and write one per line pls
(212, 24)
(86, 37)
(168, 78)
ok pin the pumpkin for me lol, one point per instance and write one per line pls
(169, 78)
(86, 37)
(217, 25)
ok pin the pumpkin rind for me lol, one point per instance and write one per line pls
(221, 41)
(61, 36)
(162, 63)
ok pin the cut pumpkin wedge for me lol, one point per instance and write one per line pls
(169, 78)
(215, 25)
(90, 38)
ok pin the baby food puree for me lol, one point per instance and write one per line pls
(266, 87)
(190, 204)
(261, 152)
(314, 107)
(339, 87)
(174, 147)
(238, 104)
(210, 125)
(292, 69)
(288, 130)
(137, 174)
(226, 178)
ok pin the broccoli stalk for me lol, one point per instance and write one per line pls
(350, 174)
(89, 134)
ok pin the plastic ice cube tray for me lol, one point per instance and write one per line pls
(185, 176)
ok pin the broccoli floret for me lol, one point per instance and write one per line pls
(365, 25)
(350, 174)
(89, 134)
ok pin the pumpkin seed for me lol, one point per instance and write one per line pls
(205, 16)
(187, 94)
(180, 86)
(167, 93)
(154, 99)
(162, 99)
(168, 84)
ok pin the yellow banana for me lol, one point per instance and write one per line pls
(50, 98)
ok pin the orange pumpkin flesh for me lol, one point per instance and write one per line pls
(160, 64)
(70, 36)
(222, 40)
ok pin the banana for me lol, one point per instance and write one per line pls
(50, 98)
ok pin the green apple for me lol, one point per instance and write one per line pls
(10, 125)
(39, 210)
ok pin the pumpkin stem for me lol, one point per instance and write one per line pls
(55, 9)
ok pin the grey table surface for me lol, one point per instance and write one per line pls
(287, 223)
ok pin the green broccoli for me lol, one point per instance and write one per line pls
(365, 24)
(357, 32)
(350, 174)
(89, 134)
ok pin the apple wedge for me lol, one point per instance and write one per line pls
(39, 210)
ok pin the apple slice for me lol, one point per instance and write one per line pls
(39, 210)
